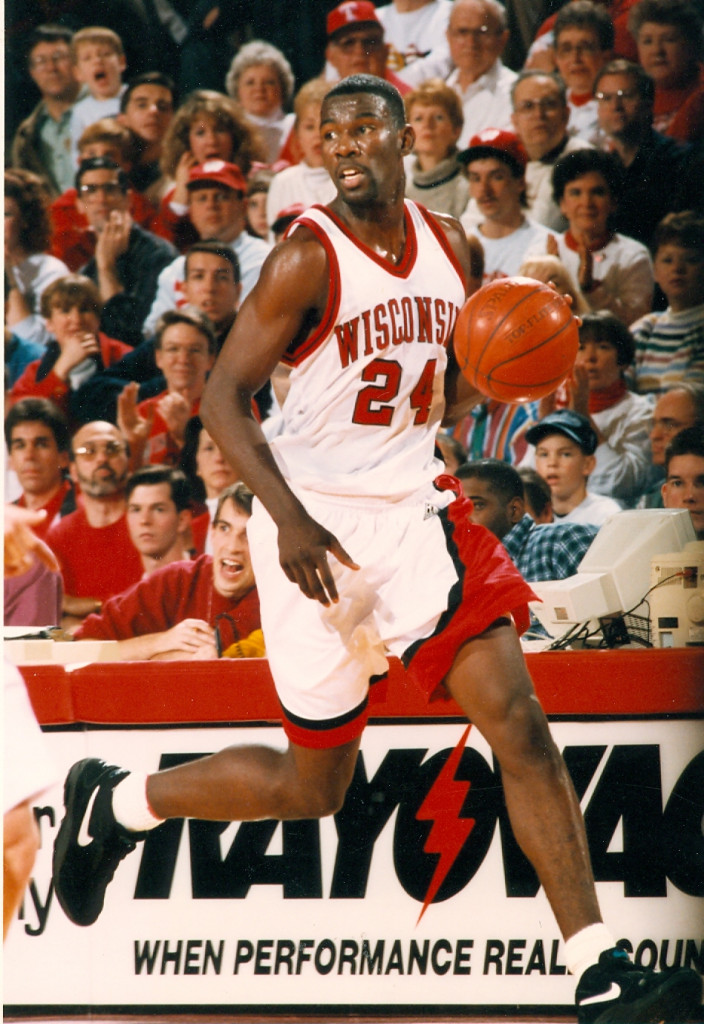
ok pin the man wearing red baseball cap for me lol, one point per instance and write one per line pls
(217, 210)
(356, 43)
(496, 164)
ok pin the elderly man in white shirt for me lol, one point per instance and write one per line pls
(477, 35)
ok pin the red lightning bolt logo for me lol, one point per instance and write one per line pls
(442, 806)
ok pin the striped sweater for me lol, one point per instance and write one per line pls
(669, 348)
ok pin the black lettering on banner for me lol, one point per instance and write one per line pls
(681, 837)
(190, 956)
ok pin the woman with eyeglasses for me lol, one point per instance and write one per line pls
(29, 267)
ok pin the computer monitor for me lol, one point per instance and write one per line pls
(614, 575)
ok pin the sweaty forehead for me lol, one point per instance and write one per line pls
(354, 105)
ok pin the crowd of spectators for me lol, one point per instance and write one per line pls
(153, 160)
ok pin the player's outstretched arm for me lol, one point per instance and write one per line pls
(460, 396)
(286, 303)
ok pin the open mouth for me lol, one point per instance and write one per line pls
(231, 568)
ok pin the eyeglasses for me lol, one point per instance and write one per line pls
(620, 94)
(548, 105)
(110, 188)
(44, 62)
(567, 49)
(368, 43)
(111, 449)
(479, 35)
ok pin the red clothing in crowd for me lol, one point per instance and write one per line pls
(181, 590)
(52, 507)
(95, 561)
(53, 387)
(679, 113)
(72, 239)
(161, 447)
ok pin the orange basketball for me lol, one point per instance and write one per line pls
(516, 339)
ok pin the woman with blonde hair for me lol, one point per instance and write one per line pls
(261, 80)
(434, 176)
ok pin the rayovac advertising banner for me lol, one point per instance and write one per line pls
(414, 895)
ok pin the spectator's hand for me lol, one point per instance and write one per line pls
(551, 247)
(135, 427)
(176, 412)
(183, 169)
(22, 545)
(303, 548)
(586, 265)
(579, 390)
(113, 239)
(211, 17)
(74, 351)
(191, 636)
(547, 405)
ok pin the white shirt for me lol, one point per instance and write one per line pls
(416, 35)
(486, 103)
(86, 112)
(250, 252)
(594, 510)
(622, 274)
(541, 205)
(298, 184)
(32, 276)
(503, 256)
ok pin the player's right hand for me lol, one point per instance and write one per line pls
(303, 551)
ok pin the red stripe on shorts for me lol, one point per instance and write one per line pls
(489, 587)
(323, 735)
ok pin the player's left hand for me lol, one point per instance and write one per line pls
(303, 549)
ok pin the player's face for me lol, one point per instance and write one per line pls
(233, 575)
(362, 149)
(99, 194)
(358, 50)
(212, 467)
(620, 107)
(435, 133)
(579, 57)
(600, 361)
(489, 510)
(563, 465)
(183, 357)
(259, 90)
(35, 458)
(72, 321)
(153, 521)
(51, 70)
(308, 135)
(210, 285)
(665, 53)
(475, 37)
(674, 411)
(101, 463)
(495, 188)
(587, 204)
(680, 274)
(216, 212)
(149, 111)
(684, 488)
(100, 68)
(209, 140)
(540, 115)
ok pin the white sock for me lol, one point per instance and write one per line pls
(130, 805)
(583, 949)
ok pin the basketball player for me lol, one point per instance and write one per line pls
(372, 556)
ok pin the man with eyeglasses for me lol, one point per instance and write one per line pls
(477, 35)
(356, 44)
(661, 175)
(128, 259)
(540, 117)
(677, 409)
(202, 609)
(584, 42)
(93, 544)
(42, 143)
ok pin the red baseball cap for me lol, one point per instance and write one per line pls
(494, 142)
(284, 217)
(218, 172)
(351, 12)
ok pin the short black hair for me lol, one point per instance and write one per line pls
(586, 14)
(604, 326)
(148, 78)
(377, 87)
(48, 34)
(685, 229)
(39, 410)
(101, 163)
(503, 478)
(150, 476)
(689, 441)
(215, 248)
(527, 73)
(536, 490)
(585, 161)
(186, 315)
(642, 80)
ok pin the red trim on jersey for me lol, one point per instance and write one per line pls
(489, 587)
(443, 241)
(410, 249)
(324, 328)
(318, 736)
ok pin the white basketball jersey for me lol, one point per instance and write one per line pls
(366, 388)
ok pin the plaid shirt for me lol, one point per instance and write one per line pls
(548, 551)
